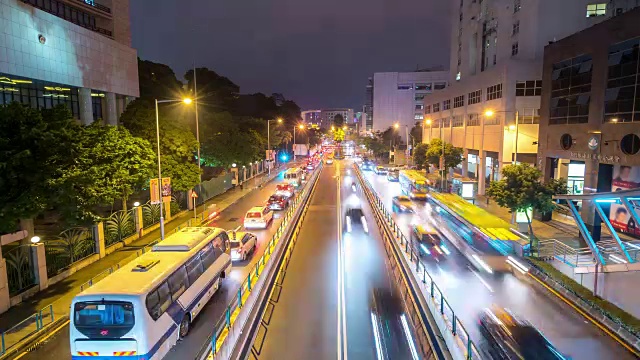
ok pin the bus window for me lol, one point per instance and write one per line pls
(104, 319)
(178, 283)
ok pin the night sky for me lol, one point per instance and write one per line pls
(318, 53)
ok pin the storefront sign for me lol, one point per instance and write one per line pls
(593, 142)
(599, 157)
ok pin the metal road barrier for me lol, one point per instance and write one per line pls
(454, 334)
(231, 329)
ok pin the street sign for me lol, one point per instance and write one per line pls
(194, 195)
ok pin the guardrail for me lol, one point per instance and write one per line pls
(41, 320)
(553, 248)
(457, 337)
(224, 326)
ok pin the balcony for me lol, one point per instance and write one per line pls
(95, 5)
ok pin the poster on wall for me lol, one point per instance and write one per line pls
(154, 192)
(625, 178)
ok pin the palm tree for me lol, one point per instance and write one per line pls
(286, 138)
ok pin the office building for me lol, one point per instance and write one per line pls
(312, 117)
(496, 68)
(359, 123)
(329, 114)
(76, 53)
(368, 106)
(397, 96)
(590, 113)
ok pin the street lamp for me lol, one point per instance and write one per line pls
(186, 101)
(301, 127)
(512, 127)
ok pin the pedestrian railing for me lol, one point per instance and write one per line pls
(438, 304)
(26, 328)
(556, 249)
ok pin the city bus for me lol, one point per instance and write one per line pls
(414, 184)
(142, 309)
(478, 234)
(293, 176)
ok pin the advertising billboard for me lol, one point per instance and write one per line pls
(154, 192)
(625, 178)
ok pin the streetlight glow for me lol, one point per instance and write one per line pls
(279, 120)
(136, 204)
(512, 127)
(35, 239)
(428, 122)
(396, 125)
(301, 127)
(344, 127)
(488, 113)
(187, 101)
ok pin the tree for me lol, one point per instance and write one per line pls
(452, 154)
(391, 136)
(286, 138)
(338, 135)
(157, 81)
(521, 188)
(416, 133)
(34, 145)
(375, 145)
(338, 121)
(215, 92)
(420, 155)
(108, 164)
(227, 140)
(177, 143)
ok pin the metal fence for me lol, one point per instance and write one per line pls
(151, 214)
(19, 267)
(70, 246)
(210, 188)
(120, 225)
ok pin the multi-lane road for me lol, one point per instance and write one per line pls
(336, 300)
(469, 291)
(57, 347)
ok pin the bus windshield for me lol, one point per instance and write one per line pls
(104, 319)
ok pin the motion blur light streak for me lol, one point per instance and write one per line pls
(376, 335)
(518, 264)
(482, 281)
(482, 263)
(424, 248)
(412, 347)
(348, 224)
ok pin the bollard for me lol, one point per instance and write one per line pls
(51, 312)
(240, 298)
(213, 342)
(258, 268)
(441, 304)
(229, 317)
(469, 349)
(453, 331)
(431, 288)
(249, 282)
(2, 343)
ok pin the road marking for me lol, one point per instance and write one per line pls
(41, 341)
(587, 316)
(342, 314)
(480, 278)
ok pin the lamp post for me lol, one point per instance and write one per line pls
(442, 160)
(195, 98)
(490, 113)
(301, 127)
(186, 101)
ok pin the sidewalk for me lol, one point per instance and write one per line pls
(560, 227)
(61, 294)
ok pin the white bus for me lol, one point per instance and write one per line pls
(140, 311)
(293, 176)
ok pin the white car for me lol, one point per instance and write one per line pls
(258, 217)
(241, 244)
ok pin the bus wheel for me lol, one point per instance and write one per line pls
(185, 324)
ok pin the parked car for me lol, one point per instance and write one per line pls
(258, 217)
(278, 202)
(241, 244)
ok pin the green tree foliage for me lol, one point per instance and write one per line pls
(338, 135)
(215, 92)
(420, 155)
(416, 133)
(338, 121)
(375, 145)
(521, 188)
(158, 81)
(108, 164)
(452, 154)
(177, 143)
(34, 146)
(287, 137)
(391, 136)
(226, 140)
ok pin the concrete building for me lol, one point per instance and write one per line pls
(590, 117)
(76, 53)
(360, 122)
(496, 64)
(397, 96)
(312, 117)
(368, 106)
(329, 114)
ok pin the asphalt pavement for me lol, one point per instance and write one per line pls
(57, 347)
(468, 292)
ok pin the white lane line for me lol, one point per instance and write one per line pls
(483, 281)
(342, 314)
(407, 333)
(376, 336)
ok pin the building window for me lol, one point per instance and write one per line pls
(458, 101)
(516, 28)
(446, 122)
(514, 49)
(446, 105)
(418, 117)
(622, 96)
(596, 10)
(630, 144)
(427, 109)
(566, 141)
(423, 87)
(419, 97)
(440, 85)
(436, 107)
(494, 92)
(474, 97)
(529, 116)
(571, 91)
(71, 14)
(419, 107)
(473, 120)
(458, 121)
(96, 105)
(493, 120)
(529, 88)
(405, 87)
(38, 94)
(516, 6)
